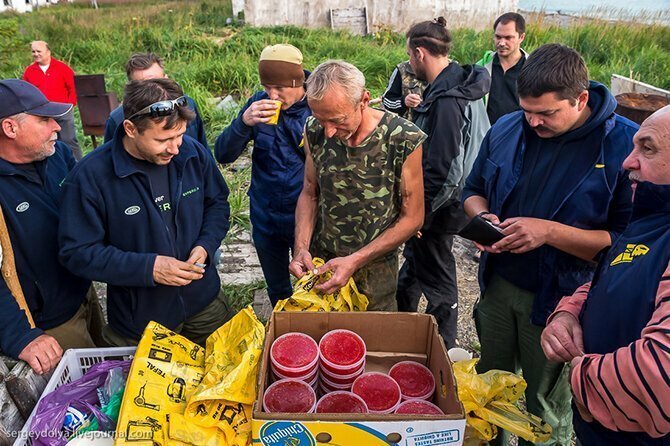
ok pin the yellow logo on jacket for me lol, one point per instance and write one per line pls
(630, 253)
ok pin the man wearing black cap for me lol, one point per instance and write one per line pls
(278, 159)
(33, 166)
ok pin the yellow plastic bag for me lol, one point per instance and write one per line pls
(489, 401)
(179, 394)
(166, 371)
(306, 298)
(228, 389)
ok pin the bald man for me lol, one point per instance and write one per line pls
(56, 80)
(615, 330)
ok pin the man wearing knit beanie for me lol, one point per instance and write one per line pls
(278, 159)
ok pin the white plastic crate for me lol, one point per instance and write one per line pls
(72, 366)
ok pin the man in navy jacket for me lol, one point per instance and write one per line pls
(550, 176)
(32, 167)
(145, 213)
(278, 159)
(142, 66)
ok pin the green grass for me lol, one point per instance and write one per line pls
(239, 296)
(211, 59)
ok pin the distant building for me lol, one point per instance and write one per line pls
(375, 14)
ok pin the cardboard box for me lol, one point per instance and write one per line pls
(390, 338)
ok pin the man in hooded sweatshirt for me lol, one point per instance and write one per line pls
(550, 177)
(453, 116)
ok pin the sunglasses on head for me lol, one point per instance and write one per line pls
(161, 108)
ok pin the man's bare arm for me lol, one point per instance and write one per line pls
(305, 219)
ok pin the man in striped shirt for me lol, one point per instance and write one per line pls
(615, 330)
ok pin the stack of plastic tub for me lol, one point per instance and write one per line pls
(342, 360)
(289, 396)
(379, 391)
(295, 356)
(416, 381)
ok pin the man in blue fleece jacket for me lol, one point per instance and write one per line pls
(145, 213)
(550, 176)
(32, 167)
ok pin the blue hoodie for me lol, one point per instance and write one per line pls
(111, 230)
(278, 163)
(31, 212)
(594, 193)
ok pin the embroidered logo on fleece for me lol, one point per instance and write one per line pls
(630, 253)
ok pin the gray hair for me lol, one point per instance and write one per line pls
(336, 73)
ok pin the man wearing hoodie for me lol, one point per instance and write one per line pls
(278, 159)
(453, 116)
(615, 330)
(550, 177)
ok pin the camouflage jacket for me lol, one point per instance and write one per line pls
(403, 82)
(359, 187)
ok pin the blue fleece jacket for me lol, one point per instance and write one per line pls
(594, 193)
(112, 231)
(278, 162)
(31, 212)
(195, 128)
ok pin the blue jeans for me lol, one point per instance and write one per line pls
(273, 253)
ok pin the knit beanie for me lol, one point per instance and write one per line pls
(281, 65)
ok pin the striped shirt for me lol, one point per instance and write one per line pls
(628, 389)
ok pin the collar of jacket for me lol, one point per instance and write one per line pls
(650, 199)
(123, 163)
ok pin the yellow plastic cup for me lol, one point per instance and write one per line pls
(275, 118)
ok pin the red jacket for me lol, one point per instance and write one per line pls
(57, 83)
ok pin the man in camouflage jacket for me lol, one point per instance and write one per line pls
(363, 188)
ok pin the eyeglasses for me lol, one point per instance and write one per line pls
(161, 108)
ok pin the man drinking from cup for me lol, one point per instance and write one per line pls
(273, 119)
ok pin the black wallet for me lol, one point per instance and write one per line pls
(482, 231)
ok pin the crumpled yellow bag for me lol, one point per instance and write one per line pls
(228, 389)
(306, 298)
(179, 393)
(489, 398)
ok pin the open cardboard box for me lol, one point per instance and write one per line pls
(390, 338)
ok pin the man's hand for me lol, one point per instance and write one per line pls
(301, 263)
(259, 112)
(342, 268)
(562, 339)
(198, 255)
(42, 354)
(523, 234)
(496, 221)
(172, 272)
(412, 100)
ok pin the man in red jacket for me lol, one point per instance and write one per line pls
(56, 80)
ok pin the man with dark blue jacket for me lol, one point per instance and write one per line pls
(145, 213)
(142, 66)
(32, 167)
(278, 159)
(550, 176)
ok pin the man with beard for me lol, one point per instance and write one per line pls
(452, 114)
(33, 166)
(550, 176)
(363, 192)
(504, 65)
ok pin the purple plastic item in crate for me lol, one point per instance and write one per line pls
(47, 422)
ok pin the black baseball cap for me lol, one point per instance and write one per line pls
(17, 96)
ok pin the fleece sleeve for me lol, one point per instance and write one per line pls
(15, 331)
(234, 139)
(629, 389)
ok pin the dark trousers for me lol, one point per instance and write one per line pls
(273, 253)
(68, 133)
(430, 268)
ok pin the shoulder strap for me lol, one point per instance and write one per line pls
(9, 273)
